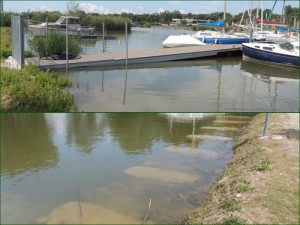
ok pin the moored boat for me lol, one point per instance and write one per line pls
(181, 41)
(284, 53)
(74, 27)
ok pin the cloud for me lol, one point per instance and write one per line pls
(161, 10)
(44, 8)
(124, 10)
(182, 11)
(141, 8)
(92, 8)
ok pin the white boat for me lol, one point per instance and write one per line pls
(181, 41)
(284, 53)
(74, 27)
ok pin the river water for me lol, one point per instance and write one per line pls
(231, 84)
(105, 168)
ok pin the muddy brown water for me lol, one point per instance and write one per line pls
(105, 168)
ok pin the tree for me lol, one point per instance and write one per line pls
(73, 8)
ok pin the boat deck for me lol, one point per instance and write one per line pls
(139, 56)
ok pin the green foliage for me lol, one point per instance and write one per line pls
(56, 44)
(234, 220)
(32, 90)
(146, 24)
(230, 205)
(6, 47)
(263, 166)
(243, 187)
(111, 22)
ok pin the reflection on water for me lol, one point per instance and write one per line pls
(201, 85)
(97, 168)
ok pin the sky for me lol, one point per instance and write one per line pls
(141, 7)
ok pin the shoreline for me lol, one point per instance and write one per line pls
(261, 182)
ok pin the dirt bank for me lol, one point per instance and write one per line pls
(261, 183)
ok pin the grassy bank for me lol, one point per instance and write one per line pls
(261, 183)
(32, 90)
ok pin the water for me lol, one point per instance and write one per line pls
(98, 168)
(230, 84)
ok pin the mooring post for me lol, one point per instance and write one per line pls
(103, 39)
(126, 45)
(47, 37)
(67, 45)
(266, 124)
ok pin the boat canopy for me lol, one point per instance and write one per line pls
(220, 23)
(268, 22)
(287, 29)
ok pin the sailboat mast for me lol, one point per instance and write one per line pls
(224, 16)
(262, 15)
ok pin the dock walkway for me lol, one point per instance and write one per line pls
(138, 56)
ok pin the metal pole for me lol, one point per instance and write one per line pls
(67, 45)
(126, 45)
(267, 124)
(224, 16)
(47, 37)
(21, 38)
(103, 39)
(262, 15)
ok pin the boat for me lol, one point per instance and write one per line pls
(74, 27)
(181, 41)
(215, 37)
(286, 53)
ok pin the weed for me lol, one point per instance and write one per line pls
(265, 165)
(234, 220)
(243, 187)
(230, 205)
(257, 150)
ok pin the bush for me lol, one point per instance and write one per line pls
(56, 44)
(32, 90)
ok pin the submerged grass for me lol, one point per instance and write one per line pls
(33, 90)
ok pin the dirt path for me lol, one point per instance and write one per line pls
(261, 184)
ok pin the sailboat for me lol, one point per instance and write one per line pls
(216, 37)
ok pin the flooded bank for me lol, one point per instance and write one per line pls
(98, 168)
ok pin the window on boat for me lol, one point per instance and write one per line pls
(268, 48)
(256, 46)
(73, 21)
(287, 46)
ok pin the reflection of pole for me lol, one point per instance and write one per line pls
(103, 81)
(47, 37)
(219, 93)
(126, 64)
(124, 99)
(267, 124)
(67, 46)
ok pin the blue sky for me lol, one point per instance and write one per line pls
(140, 7)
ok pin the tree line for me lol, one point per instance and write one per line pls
(117, 21)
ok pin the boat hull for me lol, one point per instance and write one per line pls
(223, 41)
(270, 56)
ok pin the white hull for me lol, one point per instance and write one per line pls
(181, 41)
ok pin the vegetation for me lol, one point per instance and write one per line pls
(6, 47)
(32, 90)
(56, 43)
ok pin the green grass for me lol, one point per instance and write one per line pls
(234, 220)
(242, 187)
(32, 90)
(265, 165)
(6, 47)
(230, 205)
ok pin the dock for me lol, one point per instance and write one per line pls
(139, 56)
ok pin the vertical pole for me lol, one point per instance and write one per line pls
(67, 45)
(21, 39)
(262, 15)
(103, 39)
(126, 45)
(267, 124)
(282, 12)
(47, 37)
(224, 16)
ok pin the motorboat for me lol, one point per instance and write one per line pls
(286, 53)
(181, 41)
(74, 27)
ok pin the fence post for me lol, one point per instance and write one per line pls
(126, 45)
(266, 124)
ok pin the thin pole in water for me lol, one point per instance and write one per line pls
(103, 39)
(67, 45)
(267, 124)
(47, 37)
(126, 45)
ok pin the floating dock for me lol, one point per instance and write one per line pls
(139, 56)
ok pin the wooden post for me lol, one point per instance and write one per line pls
(126, 45)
